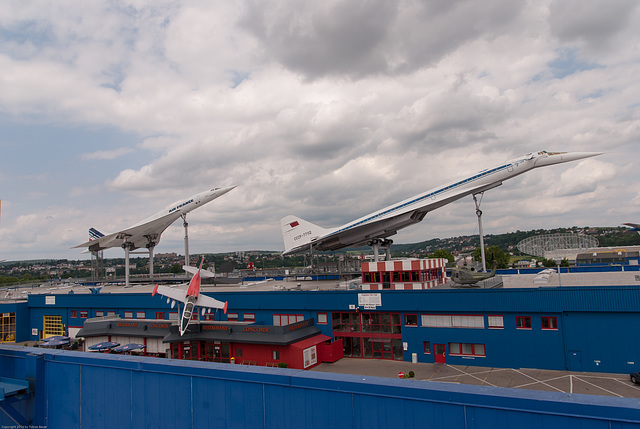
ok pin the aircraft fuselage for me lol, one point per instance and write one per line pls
(300, 235)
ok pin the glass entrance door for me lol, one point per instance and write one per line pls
(381, 349)
(221, 353)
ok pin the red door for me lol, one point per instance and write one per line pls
(439, 353)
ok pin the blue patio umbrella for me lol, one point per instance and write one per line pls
(55, 342)
(129, 347)
(56, 337)
(105, 345)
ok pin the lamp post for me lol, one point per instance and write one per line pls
(558, 261)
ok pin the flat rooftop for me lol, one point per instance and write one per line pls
(589, 383)
(624, 278)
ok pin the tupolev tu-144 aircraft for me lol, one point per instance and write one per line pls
(300, 235)
(147, 232)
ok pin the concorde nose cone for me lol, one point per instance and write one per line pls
(215, 193)
(551, 158)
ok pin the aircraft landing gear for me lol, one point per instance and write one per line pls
(378, 243)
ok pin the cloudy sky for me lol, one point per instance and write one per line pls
(111, 110)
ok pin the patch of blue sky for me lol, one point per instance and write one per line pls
(46, 160)
(237, 77)
(568, 63)
(36, 34)
(595, 94)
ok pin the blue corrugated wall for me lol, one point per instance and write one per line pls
(82, 390)
(595, 324)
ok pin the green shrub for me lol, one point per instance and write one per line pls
(412, 374)
(282, 365)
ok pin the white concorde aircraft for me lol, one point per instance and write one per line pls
(147, 232)
(300, 235)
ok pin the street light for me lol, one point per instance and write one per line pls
(558, 261)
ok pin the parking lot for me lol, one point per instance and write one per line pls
(589, 383)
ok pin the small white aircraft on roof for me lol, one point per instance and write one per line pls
(300, 235)
(147, 232)
(190, 297)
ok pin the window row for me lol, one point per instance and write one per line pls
(286, 319)
(546, 322)
(475, 321)
(367, 322)
(459, 349)
(402, 276)
(452, 321)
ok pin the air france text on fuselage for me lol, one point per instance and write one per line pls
(179, 206)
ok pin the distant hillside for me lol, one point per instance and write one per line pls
(607, 237)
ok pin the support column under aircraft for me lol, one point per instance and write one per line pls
(479, 214)
(127, 248)
(186, 238)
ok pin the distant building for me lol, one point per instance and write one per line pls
(608, 257)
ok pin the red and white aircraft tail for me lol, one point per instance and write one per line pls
(191, 297)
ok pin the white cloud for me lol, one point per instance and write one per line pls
(325, 110)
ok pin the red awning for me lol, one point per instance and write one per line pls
(304, 344)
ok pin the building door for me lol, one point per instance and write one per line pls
(221, 353)
(439, 353)
(381, 348)
(575, 360)
(52, 326)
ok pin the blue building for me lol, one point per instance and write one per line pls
(572, 328)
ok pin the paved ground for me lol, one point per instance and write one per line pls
(533, 379)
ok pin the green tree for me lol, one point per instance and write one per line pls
(442, 253)
(494, 256)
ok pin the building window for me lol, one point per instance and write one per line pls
(322, 319)
(140, 315)
(410, 320)
(286, 319)
(466, 349)
(386, 323)
(495, 322)
(210, 316)
(276, 355)
(427, 347)
(99, 313)
(232, 316)
(249, 317)
(128, 314)
(452, 321)
(160, 315)
(549, 323)
(111, 313)
(84, 314)
(239, 352)
(523, 322)
(173, 315)
(73, 314)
